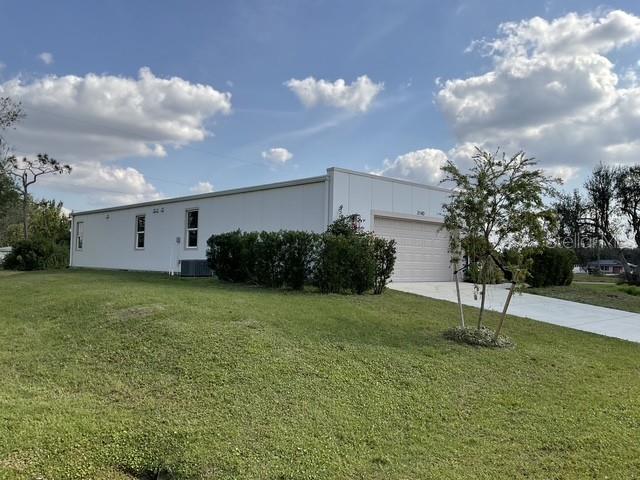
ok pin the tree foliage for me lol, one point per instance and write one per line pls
(10, 112)
(571, 210)
(497, 204)
(627, 195)
(25, 172)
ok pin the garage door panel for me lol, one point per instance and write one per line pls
(422, 249)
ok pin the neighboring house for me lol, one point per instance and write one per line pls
(608, 267)
(168, 235)
(4, 251)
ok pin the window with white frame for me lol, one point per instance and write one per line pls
(192, 229)
(140, 229)
(79, 235)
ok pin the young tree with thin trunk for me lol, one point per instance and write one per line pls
(26, 172)
(497, 204)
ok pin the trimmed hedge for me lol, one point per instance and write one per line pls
(343, 259)
(352, 259)
(231, 255)
(551, 266)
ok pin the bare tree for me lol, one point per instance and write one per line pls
(627, 189)
(601, 192)
(26, 172)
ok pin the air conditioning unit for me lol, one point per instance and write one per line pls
(195, 268)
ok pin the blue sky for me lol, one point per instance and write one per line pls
(249, 50)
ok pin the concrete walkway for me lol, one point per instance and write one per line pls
(589, 318)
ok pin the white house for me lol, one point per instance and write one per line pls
(165, 235)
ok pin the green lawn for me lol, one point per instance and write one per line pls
(620, 297)
(105, 375)
(585, 277)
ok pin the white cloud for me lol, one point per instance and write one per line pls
(202, 187)
(552, 90)
(563, 172)
(356, 96)
(46, 57)
(277, 156)
(104, 185)
(108, 117)
(420, 165)
(86, 121)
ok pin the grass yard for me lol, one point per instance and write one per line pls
(585, 277)
(620, 297)
(108, 375)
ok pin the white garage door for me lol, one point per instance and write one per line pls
(421, 252)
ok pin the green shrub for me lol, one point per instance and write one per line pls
(347, 260)
(343, 259)
(551, 266)
(29, 255)
(59, 257)
(384, 252)
(361, 263)
(272, 259)
(231, 256)
(299, 252)
(332, 270)
(268, 257)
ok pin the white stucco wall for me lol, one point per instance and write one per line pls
(307, 204)
(363, 193)
(109, 235)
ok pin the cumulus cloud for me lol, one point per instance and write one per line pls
(554, 91)
(108, 117)
(356, 96)
(277, 156)
(420, 165)
(201, 187)
(104, 185)
(46, 58)
(563, 172)
(87, 121)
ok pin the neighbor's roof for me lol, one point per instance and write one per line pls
(605, 262)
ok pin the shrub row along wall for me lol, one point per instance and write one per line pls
(343, 259)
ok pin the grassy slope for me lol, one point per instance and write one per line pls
(104, 373)
(603, 295)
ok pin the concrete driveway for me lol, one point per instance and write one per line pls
(589, 318)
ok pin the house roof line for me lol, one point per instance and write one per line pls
(257, 188)
(390, 179)
(221, 193)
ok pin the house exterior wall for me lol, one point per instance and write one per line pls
(367, 194)
(307, 204)
(109, 234)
